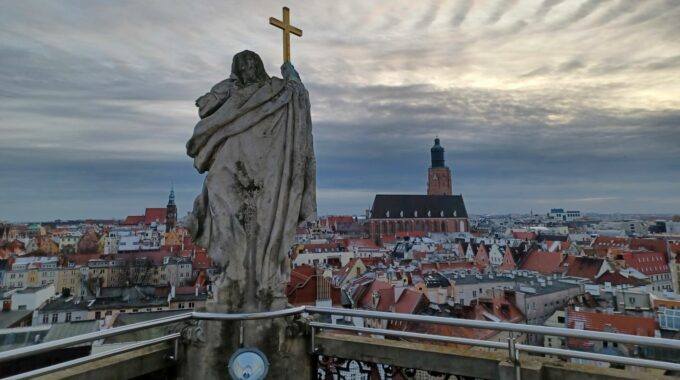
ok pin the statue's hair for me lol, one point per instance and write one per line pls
(260, 73)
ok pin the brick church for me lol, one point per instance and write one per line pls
(438, 211)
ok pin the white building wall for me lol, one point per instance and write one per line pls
(32, 300)
(323, 257)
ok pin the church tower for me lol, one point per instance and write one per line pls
(439, 175)
(171, 211)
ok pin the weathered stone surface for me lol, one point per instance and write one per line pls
(257, 149)
(255, 142)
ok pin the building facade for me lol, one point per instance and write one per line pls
(438, 211)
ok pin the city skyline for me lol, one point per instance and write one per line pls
(538, 104)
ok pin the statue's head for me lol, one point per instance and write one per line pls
(247, 68)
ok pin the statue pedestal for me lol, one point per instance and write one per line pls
(206, 355)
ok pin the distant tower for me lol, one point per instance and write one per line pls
(439, 175)
(171, 211)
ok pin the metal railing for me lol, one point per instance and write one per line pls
(511, 345)
(513, 348)
(90, 358)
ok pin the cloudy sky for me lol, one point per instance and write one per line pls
(539, 104)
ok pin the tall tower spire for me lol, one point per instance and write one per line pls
(171, 211)
(439, 175)
(171, 198)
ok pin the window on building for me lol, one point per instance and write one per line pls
(98, 315)
(68, 317)
(46, 318)
(560, 319)
(191, 305)
(55, 318)
(181, 306)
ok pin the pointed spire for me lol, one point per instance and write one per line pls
(171, 199)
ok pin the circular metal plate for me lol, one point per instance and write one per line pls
(248, 364)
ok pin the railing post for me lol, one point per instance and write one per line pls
(513, 355)
(313, 335)
(314, 357)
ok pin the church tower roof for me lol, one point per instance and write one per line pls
(171, 198)
(437, 154)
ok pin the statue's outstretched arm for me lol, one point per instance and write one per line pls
(289, 73)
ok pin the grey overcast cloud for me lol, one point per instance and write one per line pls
(539, 104)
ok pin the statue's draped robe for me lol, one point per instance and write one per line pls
(257, 149)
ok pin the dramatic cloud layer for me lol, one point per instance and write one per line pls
(539, 104)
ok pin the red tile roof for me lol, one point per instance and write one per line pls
(371, 262)
(410, 302)
(361, 243)
(542, 262)
(385, 292)
(428, 267)
(622, 324)
(582, 267)
(324, 247)
(500, 307)
(596, 252)
(524, 235)
(616, 278)
(656, 245)
(201, 260)
(201, 278)
(443, 266)
(481, 257)
(508, 261)
(133, 220)
(153, 215)
(648, 263)
(303, 287)
(609, 242)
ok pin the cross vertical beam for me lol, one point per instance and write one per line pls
(287, 29)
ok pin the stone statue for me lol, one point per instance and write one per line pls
(255, 141)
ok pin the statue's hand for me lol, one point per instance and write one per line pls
(289, 73)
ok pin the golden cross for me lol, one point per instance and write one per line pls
(287, 30)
